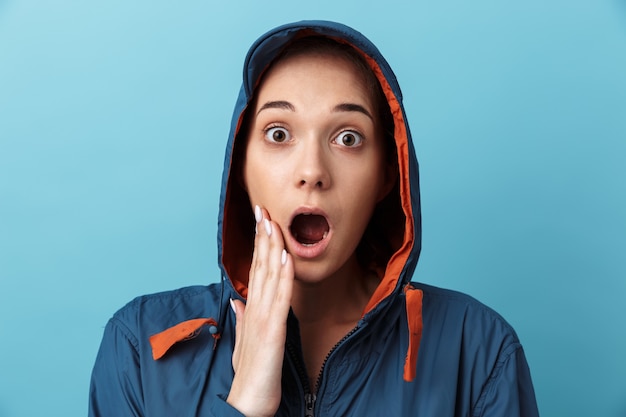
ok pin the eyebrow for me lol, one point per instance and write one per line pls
(280, 104)
(352, 107)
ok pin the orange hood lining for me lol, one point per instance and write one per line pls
(397, 262)
(238, 272)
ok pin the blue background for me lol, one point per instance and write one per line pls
(113, 119)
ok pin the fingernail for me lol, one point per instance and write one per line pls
(232, 305)
(283, 257)
(268, 227)
(258, 215)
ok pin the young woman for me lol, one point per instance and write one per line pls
(319, 237)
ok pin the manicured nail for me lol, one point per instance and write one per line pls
(232, 305)
(268, 227)
(258, 215)
(283, 257)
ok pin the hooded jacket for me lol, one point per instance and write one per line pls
(416, 351)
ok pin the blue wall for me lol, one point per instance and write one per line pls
(113, 117)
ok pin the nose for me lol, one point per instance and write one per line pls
(312, 169)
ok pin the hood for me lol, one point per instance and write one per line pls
(236, 221)
(399, 212)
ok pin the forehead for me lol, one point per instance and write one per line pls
(321, 70)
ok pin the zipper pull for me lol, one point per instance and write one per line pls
(309, 404)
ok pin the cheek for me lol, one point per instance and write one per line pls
(376, 180)
(262, 180)
(363, 187)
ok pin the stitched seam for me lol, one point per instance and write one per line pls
(496, 372)
(119, 325)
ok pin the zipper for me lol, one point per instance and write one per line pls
(311, 397)
(309, 404)
(318, 381)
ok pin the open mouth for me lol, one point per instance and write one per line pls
(309, 229)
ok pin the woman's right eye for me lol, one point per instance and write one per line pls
(277, 134)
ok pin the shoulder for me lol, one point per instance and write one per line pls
(464, 327)
(470, 350)
(440, 304)
(126, 378)
(152, 313)
(157, 300)
(450, 297)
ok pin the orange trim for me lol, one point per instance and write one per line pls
(414, 319)
(400, 258)
(162, 342)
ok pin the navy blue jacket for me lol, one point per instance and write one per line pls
(416, 351)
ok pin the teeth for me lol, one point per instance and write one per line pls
(325, 234)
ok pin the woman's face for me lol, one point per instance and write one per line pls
(315, 160)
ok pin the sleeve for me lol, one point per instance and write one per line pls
(116, 378)
(509, 390)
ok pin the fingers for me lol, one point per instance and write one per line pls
(269, 289)
(269, 261)
(261, 324)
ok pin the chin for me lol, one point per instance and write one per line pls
(310, 273)
(320, 270)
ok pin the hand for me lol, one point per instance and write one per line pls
(261, 327)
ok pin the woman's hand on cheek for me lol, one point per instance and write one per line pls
(261, 327)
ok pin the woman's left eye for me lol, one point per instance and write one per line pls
(349, 138)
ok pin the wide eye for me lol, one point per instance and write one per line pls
(277, 134)
(349, 138)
